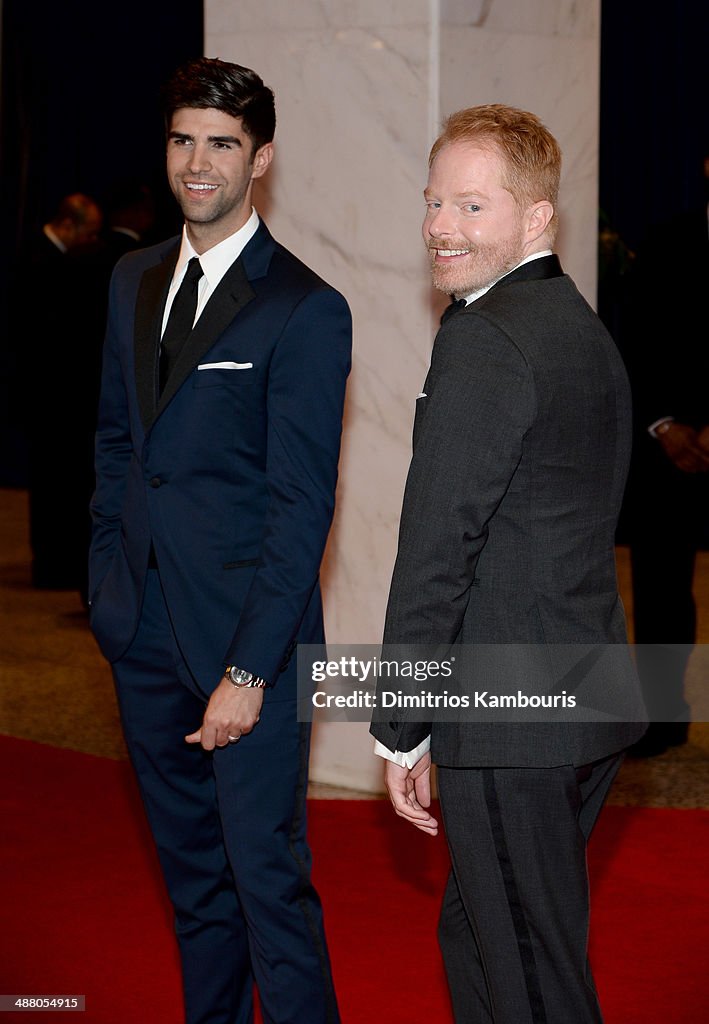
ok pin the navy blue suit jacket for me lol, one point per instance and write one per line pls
(231, 473)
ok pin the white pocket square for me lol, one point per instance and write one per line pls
(421, 395)
(225, 366)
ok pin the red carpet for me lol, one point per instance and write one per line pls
(84, 912)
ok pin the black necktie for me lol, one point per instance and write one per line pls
(180, 321)
(453, 308)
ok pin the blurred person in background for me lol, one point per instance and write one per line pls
(57, 320)
(666, 507)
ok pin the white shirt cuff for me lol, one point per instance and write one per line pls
(652, 429)
(404, 758)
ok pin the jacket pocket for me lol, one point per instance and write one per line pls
(224, 378)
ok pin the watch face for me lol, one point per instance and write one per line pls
(240, 677)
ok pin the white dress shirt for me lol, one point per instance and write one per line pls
(214, 262)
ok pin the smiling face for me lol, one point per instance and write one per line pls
(211, 167)
(474, 230)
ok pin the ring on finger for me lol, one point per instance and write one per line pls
(234, 739)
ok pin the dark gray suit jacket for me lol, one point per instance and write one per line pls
(521, 448)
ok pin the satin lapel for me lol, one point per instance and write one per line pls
(233, 293)
(149, 306)
(535, 270)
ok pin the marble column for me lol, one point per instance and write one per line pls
(361, 89)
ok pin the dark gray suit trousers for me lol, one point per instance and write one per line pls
(515, 916)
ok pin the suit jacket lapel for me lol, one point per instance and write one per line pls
(535, 270)
(232, 294)
(149, 306)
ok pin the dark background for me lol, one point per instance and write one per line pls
(80, 111)
(654, 122)
(80, 88)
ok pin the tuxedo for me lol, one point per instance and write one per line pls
(521, 446)
(212, 508)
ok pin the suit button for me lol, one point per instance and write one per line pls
(156, 482)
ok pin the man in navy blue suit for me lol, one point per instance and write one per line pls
(217, 451)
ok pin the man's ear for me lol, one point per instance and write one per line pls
(538, 219)
(262, 159)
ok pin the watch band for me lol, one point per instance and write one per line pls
(240, 678)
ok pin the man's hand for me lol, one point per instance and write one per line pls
(232, 711)
(410, 793)
(684, 447)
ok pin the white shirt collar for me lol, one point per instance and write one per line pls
(120, 230)
(217, 260)
(528, 259)
(54, 238)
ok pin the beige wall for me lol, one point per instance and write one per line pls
(361, 88)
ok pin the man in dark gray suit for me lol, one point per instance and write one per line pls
(521, 447)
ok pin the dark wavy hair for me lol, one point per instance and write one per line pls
(208, 82)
